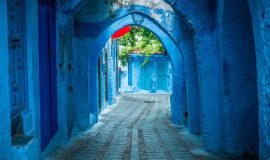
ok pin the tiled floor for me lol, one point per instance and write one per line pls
(137, 128)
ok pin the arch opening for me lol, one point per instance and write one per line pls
(177, 97)
(133, 61)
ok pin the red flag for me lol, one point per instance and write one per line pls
(121, 32)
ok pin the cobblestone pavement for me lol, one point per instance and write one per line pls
(138, 127)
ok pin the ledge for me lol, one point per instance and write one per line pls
(21, 140)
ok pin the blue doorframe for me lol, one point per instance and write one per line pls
(47, 64)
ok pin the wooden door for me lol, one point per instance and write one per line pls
(47, 61)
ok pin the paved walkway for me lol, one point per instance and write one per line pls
(137, 128)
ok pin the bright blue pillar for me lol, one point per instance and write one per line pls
(209, 68)
(81, 84)
(177, 97)
(192, 88)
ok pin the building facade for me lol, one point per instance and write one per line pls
(107, 71)
(26, 125)
(154, 76)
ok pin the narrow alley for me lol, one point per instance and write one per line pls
(138, 127)
(135, 79)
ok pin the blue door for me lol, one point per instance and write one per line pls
(47, 61)
(130, 73)
(145, 76)
(17, 55)
(162, 76)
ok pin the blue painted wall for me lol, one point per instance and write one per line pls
(209, 64)
(112, 61)
(108, 71)
(218, 61)
(193, 111)
(102, 80)
(5, 145)
(154, 76)
(240, 101)
(30, 116)
(260, 20)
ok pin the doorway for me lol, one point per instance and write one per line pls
(47, 64)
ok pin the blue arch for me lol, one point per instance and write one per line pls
(176, 56)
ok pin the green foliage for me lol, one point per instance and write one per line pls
(141, 41)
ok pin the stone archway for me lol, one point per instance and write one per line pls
(208, 64)
(177, 98)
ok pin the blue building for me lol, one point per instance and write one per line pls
(153, 76)
(107, 71)
(28, 104)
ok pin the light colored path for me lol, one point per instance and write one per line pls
(137, 128)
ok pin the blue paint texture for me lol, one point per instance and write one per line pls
(220, 72)
(240, 79)
(154, 76)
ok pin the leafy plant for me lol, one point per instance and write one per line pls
(140, 41)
